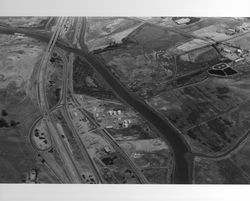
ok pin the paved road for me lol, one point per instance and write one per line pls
(55, 133)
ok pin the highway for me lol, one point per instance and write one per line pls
(55, 133)
(98, 177)
(67, 82)
(43, 65)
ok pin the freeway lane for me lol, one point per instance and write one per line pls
(65, 153)
(98, 177)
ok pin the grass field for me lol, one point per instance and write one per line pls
(218, 172)
(157, 38)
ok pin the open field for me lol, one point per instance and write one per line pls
(232, 169)
(149, 155)
(106, 31)
(218, 172)
(144, 72)
(212, 27)
(157, 38)
(19, 55)
(44, 176)
(16, 154)
(24, 21)
(85, 81)
(211, 114)
(197, 59)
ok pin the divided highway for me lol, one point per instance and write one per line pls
(41, 88)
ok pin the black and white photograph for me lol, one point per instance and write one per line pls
(130, 99)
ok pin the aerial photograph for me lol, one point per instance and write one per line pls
(125, 100)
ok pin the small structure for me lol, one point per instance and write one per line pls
(137, 155)
(182, 21)
(226, 50)
(126, 123)
(239, 51)
(239, 59)
(107, 149)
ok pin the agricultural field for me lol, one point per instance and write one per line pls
(197, 59)
(152, 37)
(232, 169)
(211, 114)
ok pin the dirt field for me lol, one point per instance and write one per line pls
(101, 31)
(219, 25)
(16, 154)
(23, 21)
(18, 56)
(150, 155)
(157, 38)
(144, 72)
(196, 59)
(242, 42)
